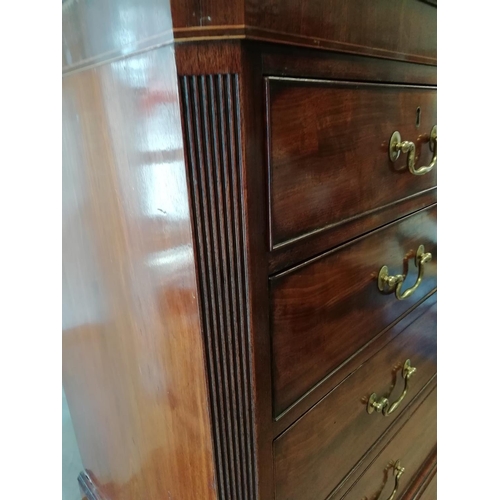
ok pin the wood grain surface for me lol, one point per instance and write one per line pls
(133, 366)
(325, 310)
(318, 451)
(328, 151)
(411, 446)
(398, 30)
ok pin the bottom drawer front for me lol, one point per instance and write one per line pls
(408, 449)
(313, 456)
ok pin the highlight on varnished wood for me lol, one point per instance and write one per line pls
(133, 366)
(95, 32)
(210, 110)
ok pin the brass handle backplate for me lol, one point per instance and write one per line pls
(382, 405)
(398, 472)
(396, 146)
(389, 284)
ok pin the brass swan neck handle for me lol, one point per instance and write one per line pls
(389, 284)
(398, 472)
(382, 405)
(396, 146)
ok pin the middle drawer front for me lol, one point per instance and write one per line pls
(327, 309)
(313, 456)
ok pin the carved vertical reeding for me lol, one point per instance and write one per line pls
(211, 121)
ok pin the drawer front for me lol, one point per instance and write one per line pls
(414, 442)
(326, 310)
(313, 456)
(328, 151)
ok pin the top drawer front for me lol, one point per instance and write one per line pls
(328, 151)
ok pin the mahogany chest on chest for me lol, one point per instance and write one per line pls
(249, 248)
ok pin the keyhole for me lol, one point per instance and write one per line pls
(418, 117)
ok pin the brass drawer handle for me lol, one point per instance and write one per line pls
(396, 145)
(389, 284)
(382, 405)
(398, 472)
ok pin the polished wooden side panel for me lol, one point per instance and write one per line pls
(314, 455)
(94, 32)
(328, 151)
(325, 310)
(412, 445)
(133, 366)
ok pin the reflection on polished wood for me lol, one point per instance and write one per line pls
(95, 32)
(228, 202)
(132, 348)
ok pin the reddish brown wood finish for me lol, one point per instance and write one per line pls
(316, 243)
(211, 107)
(201, 15)
(411, 445)
(325, 310)
(231, 251)
(313, 455)
(209, 58)
(401, 30)
(430, 491)
(310, 63)
(328, 151)
(362, 356)
(173, 275)
(255, 212)
(424, 484)
(133, 367)
(404, 30)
